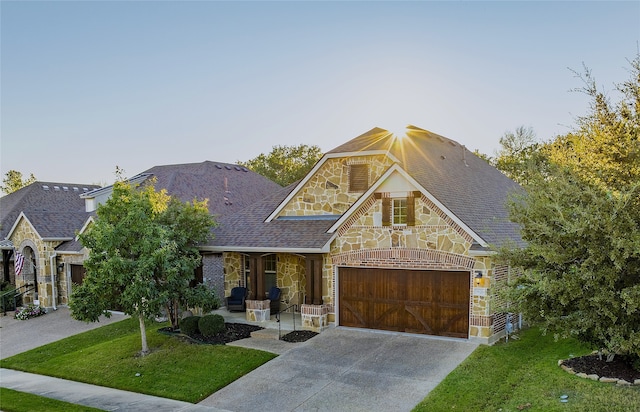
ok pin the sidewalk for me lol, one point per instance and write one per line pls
(92, 395)
(19, 336)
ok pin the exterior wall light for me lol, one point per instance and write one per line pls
(478, 280)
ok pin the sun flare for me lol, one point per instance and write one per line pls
(398, 131)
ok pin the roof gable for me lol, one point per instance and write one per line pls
(51, 207)
(464, 184)
(398, 180)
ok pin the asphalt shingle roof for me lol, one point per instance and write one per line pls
(55, 209)
(228, 187)
(474, 191)
(246, 229)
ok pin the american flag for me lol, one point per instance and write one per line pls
(19, 263)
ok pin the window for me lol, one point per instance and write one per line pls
(399, 211)
(270, 274)
(358, 178)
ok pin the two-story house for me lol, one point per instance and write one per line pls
(385, 232)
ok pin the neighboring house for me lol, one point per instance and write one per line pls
(42, 220)
(383, 233)
(34, 221)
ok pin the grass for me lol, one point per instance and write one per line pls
(14, 401)
(107, 356)
(522, 375)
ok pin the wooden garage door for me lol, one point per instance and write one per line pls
(428, 302)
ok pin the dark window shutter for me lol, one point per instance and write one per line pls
(411, 211)
(358, 178)
(386, 211)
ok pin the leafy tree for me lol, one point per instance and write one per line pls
(285, 164)
(142, 256)
(581, 219)
(13, 181)
(519, 156)
(605, 149)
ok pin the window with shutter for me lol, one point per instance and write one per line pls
(400, 211)
(358, 178)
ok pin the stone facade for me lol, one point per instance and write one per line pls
(37, 267)
(327, 191)
(65, 286)
(435, 241)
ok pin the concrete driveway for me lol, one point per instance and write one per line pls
(345, 369)
(18, 336)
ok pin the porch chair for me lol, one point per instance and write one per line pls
(274, 296)
(237, 298)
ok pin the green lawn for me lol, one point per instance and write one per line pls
(524, 375)
(107, 356)
(14, 401)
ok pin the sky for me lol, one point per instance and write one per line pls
(88, 86)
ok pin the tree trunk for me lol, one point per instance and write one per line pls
(143, 335)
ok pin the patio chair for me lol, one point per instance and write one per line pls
(274, 296)
(237, 299)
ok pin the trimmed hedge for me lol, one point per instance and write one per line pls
(209, 325)
(189, 325)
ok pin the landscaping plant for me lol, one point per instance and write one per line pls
(209, 325)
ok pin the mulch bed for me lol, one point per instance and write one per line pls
(298, 336)
(232, 332)
(619, 368)
(237, 331)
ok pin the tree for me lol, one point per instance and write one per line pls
(581, 219)
(605, 149)
(13, 181)
(285, 164)
(142, 256)
(519, 156)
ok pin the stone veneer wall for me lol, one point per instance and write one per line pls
(291, 278)
(290, 272)
(24, 235)
(327, 191)
(65, 287)
(436, 242)
(233, 271)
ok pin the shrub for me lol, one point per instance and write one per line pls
(209, 325)
(189, 325)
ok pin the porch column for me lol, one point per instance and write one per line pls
(253, 276)
(260, 292)
(317, 280)
(313, 269)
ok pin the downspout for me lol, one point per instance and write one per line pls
(53, 268)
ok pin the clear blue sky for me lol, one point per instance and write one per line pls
(86, 85)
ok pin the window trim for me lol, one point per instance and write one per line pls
(399, 219)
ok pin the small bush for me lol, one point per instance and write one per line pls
(209, 325)
(189, 325)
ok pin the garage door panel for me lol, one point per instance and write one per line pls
(387, 316)
(428, 302)
(353, 313)
(418, 319)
